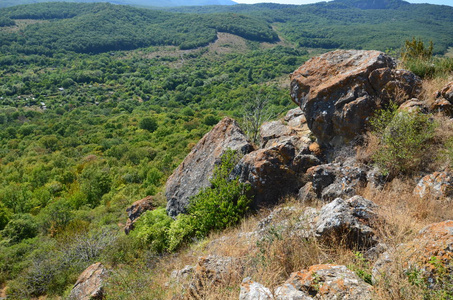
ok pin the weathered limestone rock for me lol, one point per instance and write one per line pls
(338, 91)
(430, 254)
(251, 290)
(289, 292)
(325, 282)
(196, 170)
(136, 210)
(90, 284)
(438, 185)
(349, 221)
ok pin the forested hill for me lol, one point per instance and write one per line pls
(144, 3)
(100, 27)
(47, 28)
(357, 24)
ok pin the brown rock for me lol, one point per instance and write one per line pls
(338, 91)
(325, 282)
(273, 172)
(136, 210)
(90, 284)
(195, 172)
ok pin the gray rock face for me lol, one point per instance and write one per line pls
(251, 290)
(90, 284)
(334, 180)
(348, 221)
(195, 172)
(324, 282)
(338, 91)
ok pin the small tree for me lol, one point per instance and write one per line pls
(415, 49)
(148, 123)
(256, 112)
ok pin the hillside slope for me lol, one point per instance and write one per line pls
(144, 3)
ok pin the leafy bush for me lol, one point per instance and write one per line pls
(416, 49)
(152, 228)
(148, 124)
(403, 140)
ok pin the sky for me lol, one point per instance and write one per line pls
(443, 2)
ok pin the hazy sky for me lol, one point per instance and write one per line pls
(444, 2)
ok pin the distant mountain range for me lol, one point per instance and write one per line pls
(142, 3)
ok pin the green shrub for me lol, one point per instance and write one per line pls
(403, 140)
(152, 228)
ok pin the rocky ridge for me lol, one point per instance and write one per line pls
(337, 93)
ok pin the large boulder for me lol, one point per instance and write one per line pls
(90, 284)
(136, 210)
(338, 91)
(324, 282)
(195, 172)
(351, 221)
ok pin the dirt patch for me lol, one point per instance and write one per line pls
(21, 24)
(3, 288)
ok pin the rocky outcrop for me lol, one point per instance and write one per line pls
(324, 282)
(438, 185)
(330, 181)
(195, 172)
(136, 210)
(444, 100)
(338, 91)
(277, 166)
(430, 255)
(90, 284)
